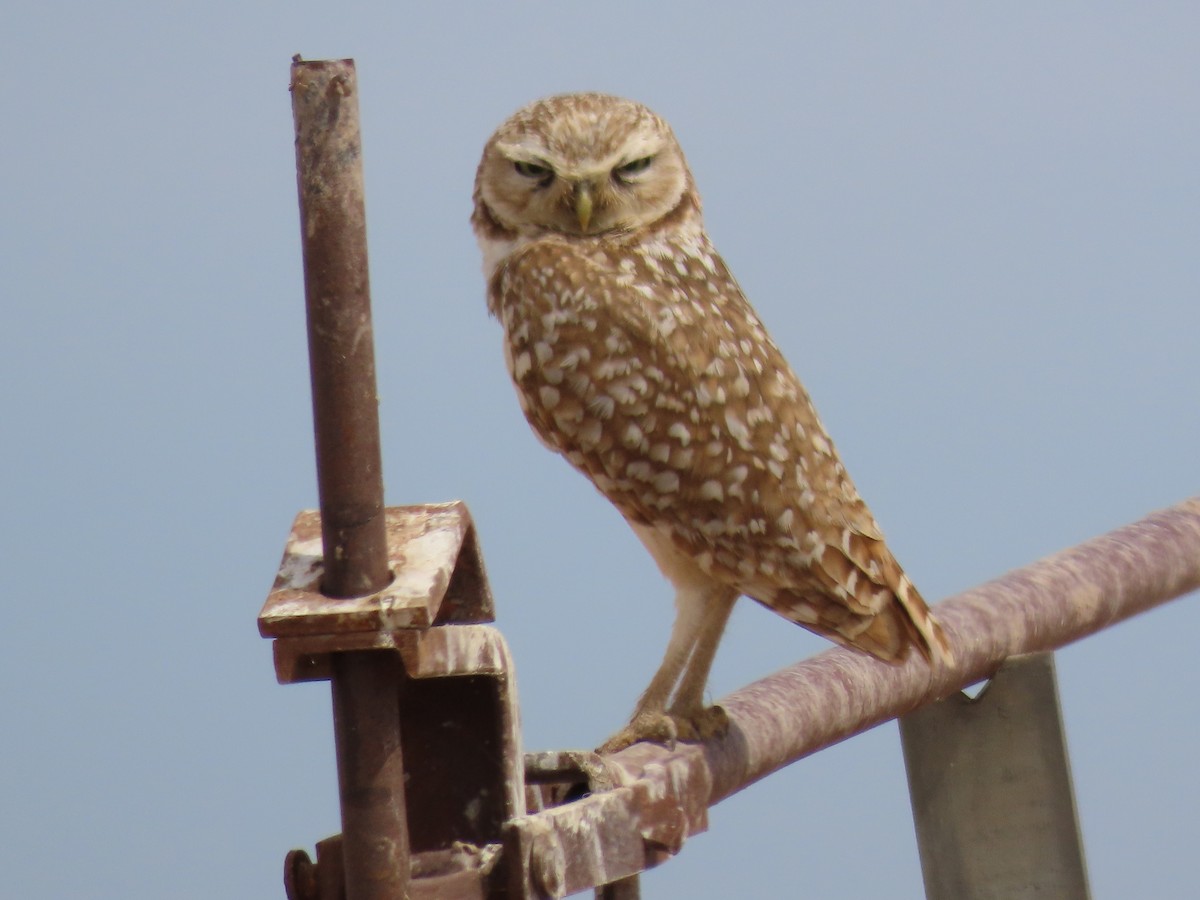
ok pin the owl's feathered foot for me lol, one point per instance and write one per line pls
(667, 728)
(672, 707)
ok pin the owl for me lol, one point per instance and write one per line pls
(636, 356)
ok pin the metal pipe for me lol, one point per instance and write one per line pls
(366, 729)
(656, 796)
(341, 345)
(349, 472)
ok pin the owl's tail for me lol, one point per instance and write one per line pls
(908, 622)
(862, 599)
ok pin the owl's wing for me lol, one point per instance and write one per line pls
(654, 377)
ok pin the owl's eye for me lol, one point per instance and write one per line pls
(533, 170)
(629, 169)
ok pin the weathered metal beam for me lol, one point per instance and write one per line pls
(375, 845)
(990, 782)
(659, 796)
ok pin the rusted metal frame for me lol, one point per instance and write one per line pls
(592, 825)
(659, 796)
(375, 840)
(452, 684)
(990, 781)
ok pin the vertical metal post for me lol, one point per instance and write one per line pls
(341, 345)
(349, 471)
(991, 790)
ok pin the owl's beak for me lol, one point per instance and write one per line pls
(583, 204)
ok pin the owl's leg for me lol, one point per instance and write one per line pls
(690, 610)
(688, 701)
(701, 614)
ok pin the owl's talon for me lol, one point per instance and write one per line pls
(657, 728)
(667, 728)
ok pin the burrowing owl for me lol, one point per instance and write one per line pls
(636, 356)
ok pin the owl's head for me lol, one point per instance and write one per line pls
(581, 164)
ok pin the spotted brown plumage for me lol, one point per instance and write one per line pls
(636, 356)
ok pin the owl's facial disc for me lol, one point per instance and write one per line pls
(613, 166)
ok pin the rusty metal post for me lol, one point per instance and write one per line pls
(341, 346)
(991, 790)
(349, 471)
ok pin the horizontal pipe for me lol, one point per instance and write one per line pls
(651, 797)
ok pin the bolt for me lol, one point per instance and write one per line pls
(299, 876)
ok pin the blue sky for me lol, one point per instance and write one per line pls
(972, 230)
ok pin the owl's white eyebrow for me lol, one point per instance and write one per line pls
(639, 149)
(521, 153)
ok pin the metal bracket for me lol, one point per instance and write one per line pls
(453, 685)
(991, 790)
(597, 821)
